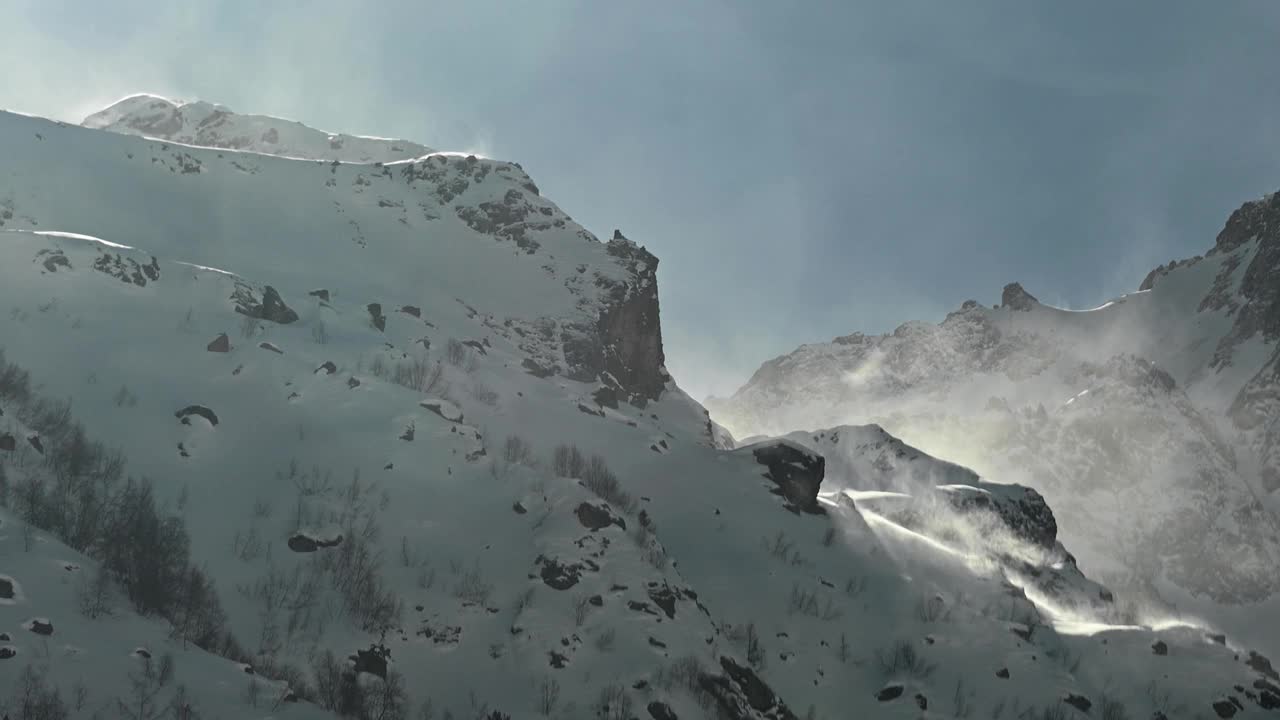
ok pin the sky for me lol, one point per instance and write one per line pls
(803, 169)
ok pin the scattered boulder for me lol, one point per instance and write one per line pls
(220, 344)
(8, 652)
(661, 711)
(1261, 664)
(376, 317)
(269, 346)
(303, 543)
(8, 442)
(36, 443)
(741, 694)
(40, 626)
(412, 310)
(443, 408)
(889, 692)
(321, 293)
(327, 367)
(559, 576)
(532, 367)
(353, 383)
(606, 397)
(1078, 702)
(204, 412)
(1227, 707)
(1003, 673)
(598, 517)
(1159, 647)
(372, 661)
(6, 588)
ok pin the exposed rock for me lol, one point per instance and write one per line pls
(443, 408)
(321, 293)
(412, 310)
(1003, 673)
(376, 317)
(1078, 702)
(271, 308)
(6, 588)
(1023, 510)
(220, 344)
(271, 347)
(127, 269)
(36, 443)
(8, 652)
(742, 695)
(534, 368)
(889, 692)
(53, 259)
(797, 472)
(1159, 647)
(598, 517)
(1262, 665)
(372, 661)
(8, 442)
(1015, 298)
(606, 397)
(559, 576)
(1227, 707)
(328, 368)
(40, 627)
(661, 711)
(200, 410)
(303, 543)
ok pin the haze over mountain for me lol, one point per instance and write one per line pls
(410, 446)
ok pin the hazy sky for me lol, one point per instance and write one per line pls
(803, 169)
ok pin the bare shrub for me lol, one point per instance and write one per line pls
(484, 394)
(457, 354)
(600, 480)
(613, 703)
(581, 608)
(605, 639)
(548, 696)
(755, 651)
(568, 461)
(472, 588)
(902, 658)
(517, 451)
(416, 374)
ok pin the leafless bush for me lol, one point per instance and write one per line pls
(568, 461)
(483, 394)
(416, 374)
(548, 696)
(35, 699)
(457, 354)
(581, 608)
(605, 639)
(1112, 709)
(855, 586)
(808, 603)
(613, 703)
(932, 608)
(472, 588)
(517, 451)
(600, 480)
(902, 658)
(755, 651)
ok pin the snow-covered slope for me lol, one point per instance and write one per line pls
(210, 125)
(1149, 423)
(361, 387)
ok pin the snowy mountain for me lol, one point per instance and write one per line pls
(210, 125)
(1149, 423)
(395, 440)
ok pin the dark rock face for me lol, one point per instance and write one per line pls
(559, 576)
(661, 711)
(270, 308)
(742, 695)
(1023, 510)
(41, 627)
(36, 443)
(1257, 310)
(301, 543)
(1078, 702)
(376, 317)
(892, 692)
(127, 269)
(1227, 707)
(7, 653)
(598, 517)
(625, 343)
(220, 344)
(372, 661)
(797, 473)
(1015, 298)
(53, 259)
(322, 293)
(8, 442)
(200, 410)
(6, 589)
(1160, 647)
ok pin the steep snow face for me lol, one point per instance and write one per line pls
(209, 125)
(351, 383)
(1148, 423)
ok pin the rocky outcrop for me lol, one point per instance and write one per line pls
(742, 695)
(271, 308)
(1255, 302)
(625, 344)
(1015, 298)
(797, 473)
(1022, 509)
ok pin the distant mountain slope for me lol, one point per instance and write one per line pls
(210, 125)
(415, 425)
(1149, 423)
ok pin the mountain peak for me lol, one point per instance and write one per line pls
(1016, 298)
(213, 125)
